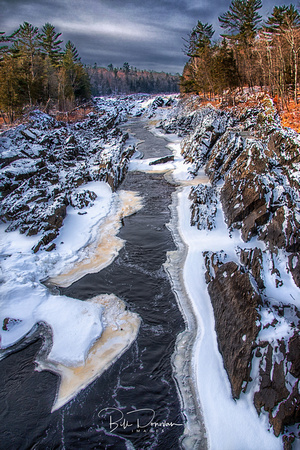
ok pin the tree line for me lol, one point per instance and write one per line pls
(130, 80)
(36, 70)
(251, 52)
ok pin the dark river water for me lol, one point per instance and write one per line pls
(141, 379)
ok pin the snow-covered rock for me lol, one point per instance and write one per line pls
(253, 166)
(44, 161)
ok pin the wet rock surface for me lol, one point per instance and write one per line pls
(254, 169)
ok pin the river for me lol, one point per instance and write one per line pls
(115, 410)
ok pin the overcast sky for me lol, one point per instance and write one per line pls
(147, 34)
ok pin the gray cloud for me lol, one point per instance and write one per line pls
(145, 34)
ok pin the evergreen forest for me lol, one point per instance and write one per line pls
(35, 70)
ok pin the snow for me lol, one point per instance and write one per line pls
(229, 423)
(25, 301)
(288, 290)
(120, 328)
(79, 230)
(143, 165)
(103, 245)
(70, 343)
(75, 324)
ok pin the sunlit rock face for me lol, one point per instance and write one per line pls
(253, 166)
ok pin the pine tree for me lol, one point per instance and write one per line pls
(74, 80)
(26, 44)
(3, 48)
(71, 53)
(197, 75)
(242, 20)
(26, 48)
(199, 39)
(224, 70)
(50, 43)
(126, 67)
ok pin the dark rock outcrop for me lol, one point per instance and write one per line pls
(235, 305)
(252, 260)
(272, 388)
(288, 412)
(162, 160)
(293, 355)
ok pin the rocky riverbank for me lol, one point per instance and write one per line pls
(43, 163)
(253, 165)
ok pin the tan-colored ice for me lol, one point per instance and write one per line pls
(120, 325)
(101, 253)
(120, 330)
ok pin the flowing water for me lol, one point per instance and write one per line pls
(139, 387)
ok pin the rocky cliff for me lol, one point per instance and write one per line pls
(253, 165)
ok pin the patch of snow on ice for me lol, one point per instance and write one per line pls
(25, 301)
(75, 327)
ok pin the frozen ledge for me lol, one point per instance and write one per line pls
(120, 331)
(183, 362)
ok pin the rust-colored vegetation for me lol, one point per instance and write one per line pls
(290, 116)
(75, 115)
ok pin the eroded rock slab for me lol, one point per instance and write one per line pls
(235, 305)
